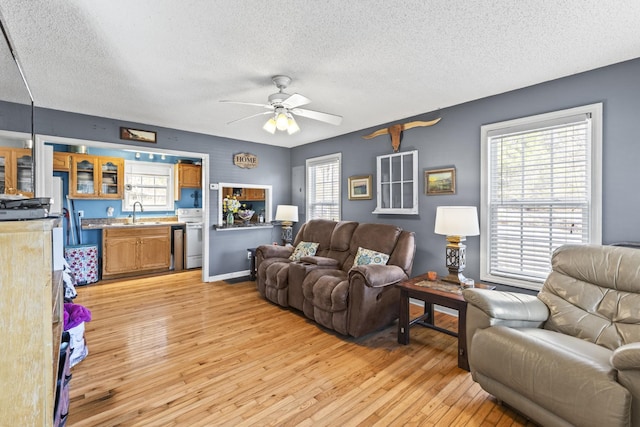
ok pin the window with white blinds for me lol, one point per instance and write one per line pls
(541, 190)
(323, 187)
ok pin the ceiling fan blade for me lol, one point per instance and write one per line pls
(295, 100)
(317, 115)
(248, 117)
(248, 103)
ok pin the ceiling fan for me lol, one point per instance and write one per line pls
(282, 107)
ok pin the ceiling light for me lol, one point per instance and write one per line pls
(281, 121)
(270, 126)
(292, 125)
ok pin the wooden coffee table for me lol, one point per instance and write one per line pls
(439, 293)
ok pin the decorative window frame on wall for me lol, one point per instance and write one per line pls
(397, 183)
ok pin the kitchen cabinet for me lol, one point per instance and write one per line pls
(253, 194)
(131, 250)
(187, 175)
(31, 318)
(245, 194)
(96, 177)
(61, 161)
(16, 171)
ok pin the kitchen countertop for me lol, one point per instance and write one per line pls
(102, 223)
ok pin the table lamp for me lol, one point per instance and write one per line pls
(456, 222)
(287, 215)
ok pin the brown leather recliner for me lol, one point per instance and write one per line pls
(326, 287)
(571, 354)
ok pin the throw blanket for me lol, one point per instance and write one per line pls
(75, 314)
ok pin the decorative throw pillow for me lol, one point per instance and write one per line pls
(304, 249)
(367, 256)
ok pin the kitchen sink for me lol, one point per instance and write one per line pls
(146, 223)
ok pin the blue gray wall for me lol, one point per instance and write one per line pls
(227, 251)
(455, 141)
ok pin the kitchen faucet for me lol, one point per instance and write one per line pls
(134, 210)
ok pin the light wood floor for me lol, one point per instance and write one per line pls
(172, 351)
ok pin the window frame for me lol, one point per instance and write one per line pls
(138, 167)
(402, 181)
(594, 164)
(319, 161)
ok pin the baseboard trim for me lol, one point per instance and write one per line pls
(234, 275)
(445, 310)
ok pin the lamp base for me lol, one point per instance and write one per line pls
(287, 233)
(454, 277)
(456, 254)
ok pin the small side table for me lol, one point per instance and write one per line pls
(440, 293)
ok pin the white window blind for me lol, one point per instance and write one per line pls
(538, 196)
(150, 184)
(323, 187)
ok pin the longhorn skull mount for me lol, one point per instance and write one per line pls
(396, 131)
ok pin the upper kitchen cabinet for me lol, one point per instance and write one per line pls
(244, 194)
(61, 161)
(96, 177)
(16, 171)
(189, 175)
(253, 194)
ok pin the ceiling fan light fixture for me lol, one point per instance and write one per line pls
(282, 122)
(270, 126)
(292, 125)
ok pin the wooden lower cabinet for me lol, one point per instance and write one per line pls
(135, 250)
(31, 313)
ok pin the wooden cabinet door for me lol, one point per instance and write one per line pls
(83, 181)
(111, 177)
(6, 170)
(16, 171)
(155, 250)
(119, 252)
(190, 176)
(61, 161)
(23, 161)
(254, 193)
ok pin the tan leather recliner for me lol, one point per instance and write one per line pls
(326, 287)
(571, 354)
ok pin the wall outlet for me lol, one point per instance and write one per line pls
(213, 186)
(248, 255)
(81, 214)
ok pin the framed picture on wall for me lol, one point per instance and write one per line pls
(137, 135)
(440, 181)
(360, 187)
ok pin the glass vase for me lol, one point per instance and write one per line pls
(229, 218)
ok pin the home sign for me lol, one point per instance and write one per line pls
(245, 160)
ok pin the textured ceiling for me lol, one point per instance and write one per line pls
(169, 63)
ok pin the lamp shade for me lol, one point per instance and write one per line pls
(287, 213)
(457, 221)
(270, 125)
(282, 121)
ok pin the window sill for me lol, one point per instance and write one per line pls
(242, 227)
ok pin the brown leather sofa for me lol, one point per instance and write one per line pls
(571, 354)
(326, 287)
